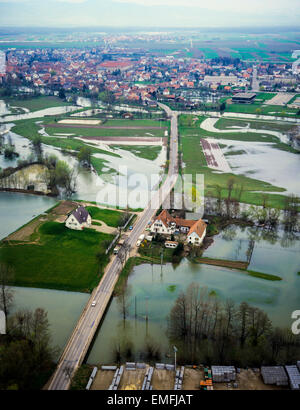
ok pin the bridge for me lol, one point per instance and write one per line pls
(86, 327)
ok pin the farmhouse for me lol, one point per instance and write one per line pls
(165, 224)
(78, 219)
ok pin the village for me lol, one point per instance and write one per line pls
(120, 76)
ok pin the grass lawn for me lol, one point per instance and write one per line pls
(37, 103)
(108, 216)
(265, 96)
(195, 163)
(63, 259)
(142, 151)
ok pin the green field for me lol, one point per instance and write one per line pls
(37, 103)
(109, 217)
(63, 259)
(195, 163)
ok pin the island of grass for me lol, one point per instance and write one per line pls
(58, 258)
(150, 152)
(36, 103)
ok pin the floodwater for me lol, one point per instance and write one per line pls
(262, 161)
(93, 187)
(35, 114)
(64, 309)
(155, 289)
(17, 209)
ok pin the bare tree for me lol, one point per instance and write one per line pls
(6, 293)
(124, 301)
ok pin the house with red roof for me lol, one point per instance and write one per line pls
(165, 224)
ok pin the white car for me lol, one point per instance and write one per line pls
(93, 303)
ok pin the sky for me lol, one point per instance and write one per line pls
(149, 13)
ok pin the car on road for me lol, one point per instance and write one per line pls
(131, 228)
(93, 303)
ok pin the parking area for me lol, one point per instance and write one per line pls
(280, 99)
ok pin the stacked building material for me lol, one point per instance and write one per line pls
(147, 380)
(116, 379)
(274, 375)
(91, 379)
(160, 366)
(294, 377)
(130, 366)
(223, 374)
(179, 379)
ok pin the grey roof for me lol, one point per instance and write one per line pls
(244, 95)
(81, 214)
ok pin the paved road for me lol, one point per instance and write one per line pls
(90, 318)
(255, 82)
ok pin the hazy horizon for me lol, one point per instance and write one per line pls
(149, 13)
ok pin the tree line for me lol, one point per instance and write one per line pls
(209, 331)
(26, 355)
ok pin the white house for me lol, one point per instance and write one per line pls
(78, 219)
(165, 224)
(197, 233)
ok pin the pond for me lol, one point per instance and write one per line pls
(154, 290)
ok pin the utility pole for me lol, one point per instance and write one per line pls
(175, 350)
(147, 308)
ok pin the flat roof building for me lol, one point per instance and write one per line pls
(243, 98)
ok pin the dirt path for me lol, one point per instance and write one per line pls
(103, 228)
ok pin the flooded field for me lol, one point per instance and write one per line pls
(153, 290)
(63, 309)
(262, 161)
(17, 209)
